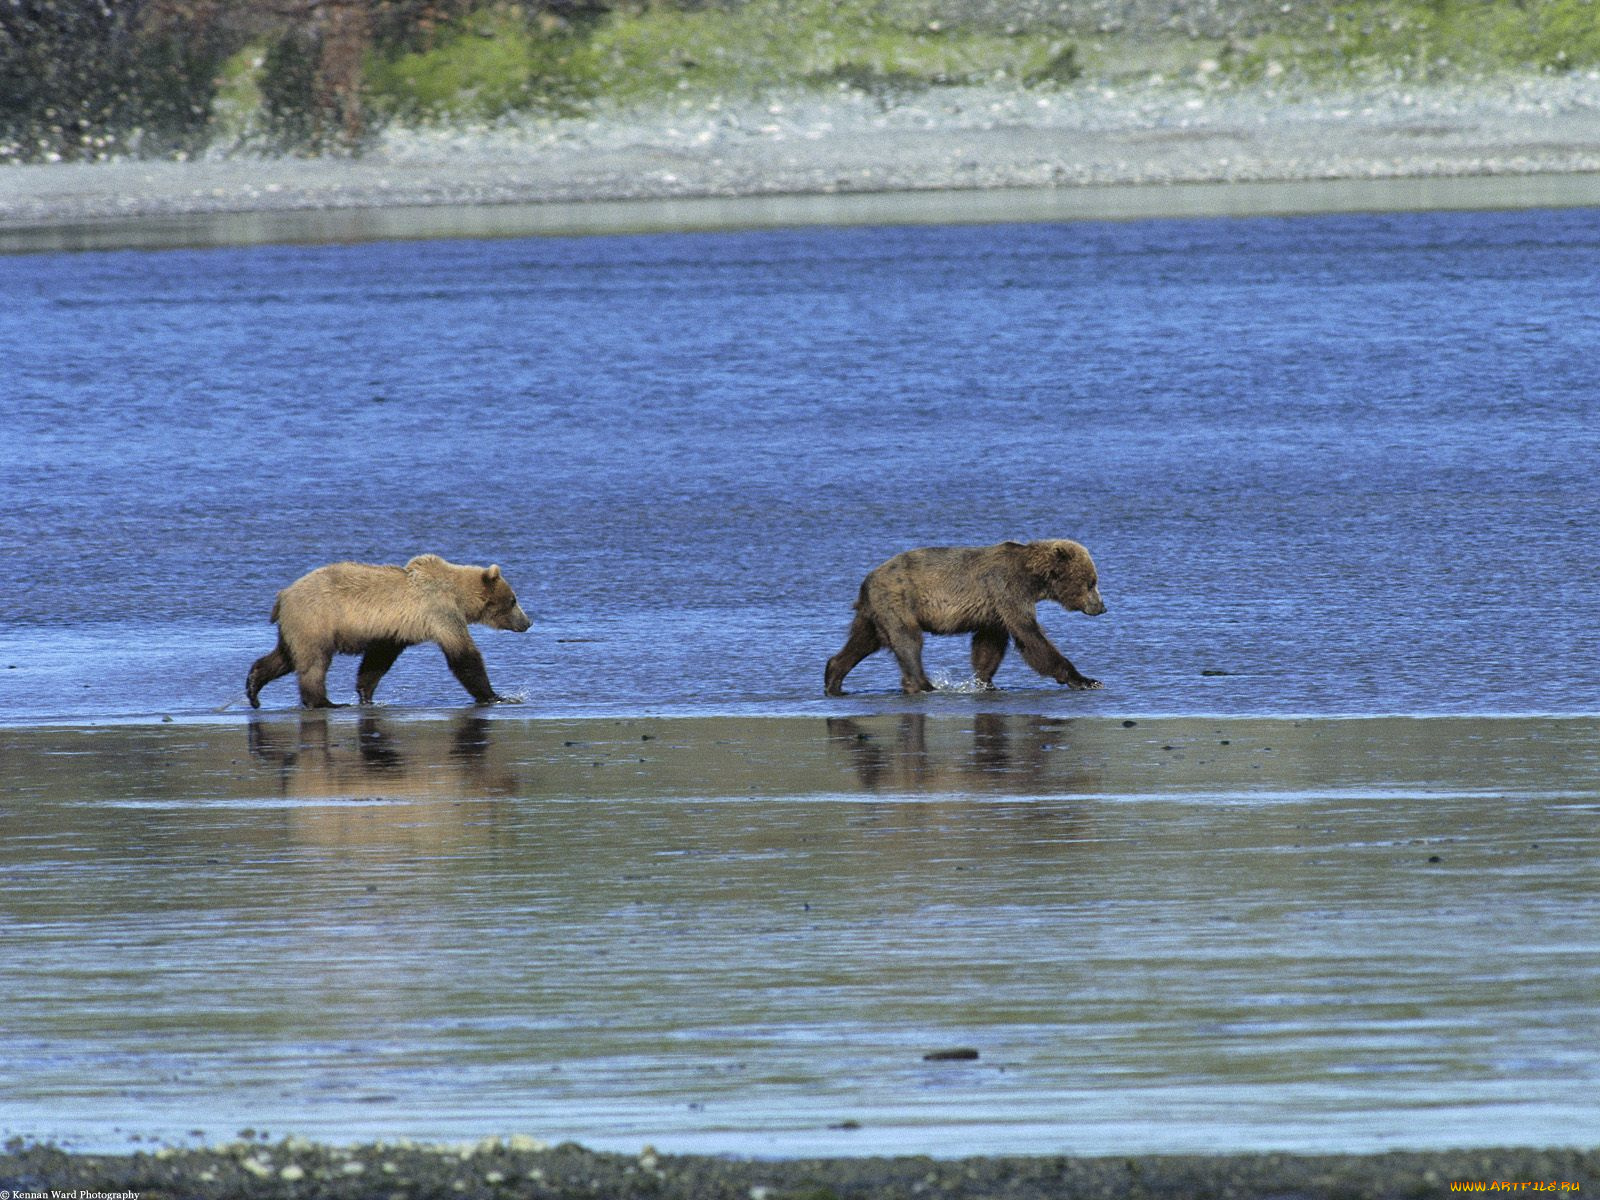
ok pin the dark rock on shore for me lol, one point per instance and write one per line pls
(521, 1167)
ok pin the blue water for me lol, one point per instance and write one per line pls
(1348, 461)
(1327, 466)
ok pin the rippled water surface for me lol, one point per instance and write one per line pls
(1316, 870)
(1345, 465)
(715, 934)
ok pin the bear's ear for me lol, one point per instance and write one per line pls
(1038, 557)
(1074, 565)
(1061, 561)
(490, 574)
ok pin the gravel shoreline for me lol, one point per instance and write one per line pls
(523, 1167)
(968, 140)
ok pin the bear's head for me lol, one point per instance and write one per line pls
(1066, 575)
(500, 607)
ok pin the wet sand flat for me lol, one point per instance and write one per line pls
(747, 936)
(424, 754)
(348, 754)
(407, 222)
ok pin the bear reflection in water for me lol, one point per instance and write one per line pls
(376, 612)
(990, 592)
(1009, 755)
(315, 758)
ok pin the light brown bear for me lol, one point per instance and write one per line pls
(376, 612)
(987, 591)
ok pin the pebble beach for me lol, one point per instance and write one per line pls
(947, 154)
(521, 1167)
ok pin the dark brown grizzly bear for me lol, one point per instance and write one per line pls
(987, 591)
(376, 612)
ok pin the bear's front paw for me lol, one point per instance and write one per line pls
(1082, 683)
(505, 700)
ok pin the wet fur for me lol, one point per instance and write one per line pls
(990, 592)
(377, 611)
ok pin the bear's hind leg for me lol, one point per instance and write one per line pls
(988, 648)
(863, 640)
(906, 642)
(375, 663)
(275, 664)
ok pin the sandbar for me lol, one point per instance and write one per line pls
(437, 754)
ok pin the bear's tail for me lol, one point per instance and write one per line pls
(861, 597)
(276, 600)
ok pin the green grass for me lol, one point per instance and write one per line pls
(1430, 40)
(497, 61)
(764, 44)
(502, 60)
(238, 97)
(494, 63)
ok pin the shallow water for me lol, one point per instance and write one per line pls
(1343, 464)
(742, 935)
(1329, 468)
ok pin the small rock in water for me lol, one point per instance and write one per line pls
(960, 1054)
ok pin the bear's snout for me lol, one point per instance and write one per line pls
(517, 620)
(1093, 606)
